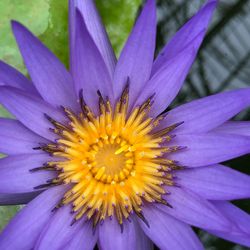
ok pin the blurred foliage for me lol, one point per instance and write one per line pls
(33, 14)
(6, 213)
(48, 19)
(4, 113)
(118, 17)
(56, 34)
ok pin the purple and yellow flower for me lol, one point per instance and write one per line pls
(98, 160)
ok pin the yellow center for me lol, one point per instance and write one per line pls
(111, 163)
(115, 160)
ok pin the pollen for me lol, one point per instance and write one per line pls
(115, 161)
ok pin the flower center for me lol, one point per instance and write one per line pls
(115, 160)
(110, 163)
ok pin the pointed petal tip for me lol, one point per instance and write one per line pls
(210, 5)
(80, 21)
(212, 2)
(186, 34)
(14, 22)
(91, 61)
(151, 3)
(175, 69)
(96, 29)
(16, 25)
(78, 13)
(44, 67)
(138, 53)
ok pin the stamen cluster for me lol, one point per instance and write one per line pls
(115, 160)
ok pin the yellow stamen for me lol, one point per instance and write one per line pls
(114, 160)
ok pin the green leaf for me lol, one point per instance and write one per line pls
(118, 17)
(6, 213)
(56, 34)
(4, 113)
(49, 21)
(33, 14)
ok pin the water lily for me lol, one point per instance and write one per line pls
(98, 160)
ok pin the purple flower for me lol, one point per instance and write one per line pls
(96, 159)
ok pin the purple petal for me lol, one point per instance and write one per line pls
(17, 139)
(215, 182)
(95, 28)
(84, 239)
(167, 232)
(239, 239)
(16, 176)
(111, 237)
(185, 35)
(59, 230)
(17, 199)
(89, 71)
(25, 228)
(234, 127)
(136, 58)
(239, 218)
(49, 75)
(30, 111)
(167, 82)
(194, 210)
(209, 112)
(10, 76)
(208, 149)
(143, 241)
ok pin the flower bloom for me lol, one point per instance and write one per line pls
(96, 157)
